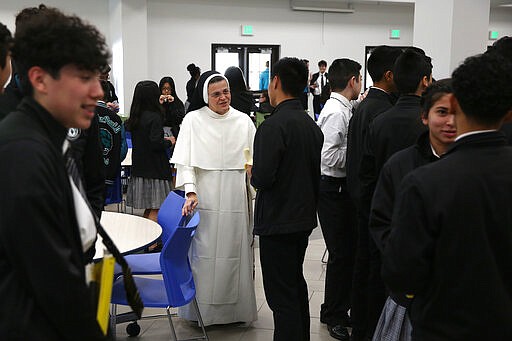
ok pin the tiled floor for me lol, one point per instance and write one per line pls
(260, 330)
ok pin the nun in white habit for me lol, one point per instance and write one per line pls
(209, 158)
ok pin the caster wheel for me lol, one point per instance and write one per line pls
(133, 329)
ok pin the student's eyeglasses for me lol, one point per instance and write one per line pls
(217, 94)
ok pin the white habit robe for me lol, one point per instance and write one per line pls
(209, 158)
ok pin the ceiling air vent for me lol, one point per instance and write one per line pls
(338, 6)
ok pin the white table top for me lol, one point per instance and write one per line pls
(128, 159)
(130, 233)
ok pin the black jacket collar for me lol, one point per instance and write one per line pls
(408, 101)
(289, 104)
(55, 131)
(424, 147)
(486, 139)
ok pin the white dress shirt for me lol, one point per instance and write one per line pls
(333, 121)
(318, 89)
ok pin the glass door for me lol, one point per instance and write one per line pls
(251, 59)
(259, 61)
(226, 57)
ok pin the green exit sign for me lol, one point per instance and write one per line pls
(395, 34)
(493, 35)
(247, 30)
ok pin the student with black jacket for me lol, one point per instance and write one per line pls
(46, 225)
(286, 172)
(378, 100)
(391, 131)
(450, 243)
(394, 324)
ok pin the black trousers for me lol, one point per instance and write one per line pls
(282, 257)
(337, 215)
(316, 105)
(369, 293)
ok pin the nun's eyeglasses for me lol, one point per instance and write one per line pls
(217, 94)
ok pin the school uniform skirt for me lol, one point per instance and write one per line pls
(147, 193)
(394, 324)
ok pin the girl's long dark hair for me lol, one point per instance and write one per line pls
(145, 98)
(171, 83)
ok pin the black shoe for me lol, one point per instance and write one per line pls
(339, 332)
(358, 335)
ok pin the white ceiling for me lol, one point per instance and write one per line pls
(494, 3)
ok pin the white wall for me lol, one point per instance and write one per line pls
(182, 31)
(500, 19)
(94, 11)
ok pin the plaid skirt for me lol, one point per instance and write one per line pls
(394, 324)
(147, 193)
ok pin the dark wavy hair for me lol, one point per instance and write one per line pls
(502, 46)
(52, 39)
(433, 93)
(27, 13)
(5, 44)
(483, 87)
(145, 98)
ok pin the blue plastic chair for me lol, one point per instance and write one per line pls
(169, 217)
(177, 287)
(128, 136)
(114, 193)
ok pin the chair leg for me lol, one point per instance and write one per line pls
(169, 317)
(200, 319)
(113, 317)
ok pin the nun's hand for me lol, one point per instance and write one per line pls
(190, 204)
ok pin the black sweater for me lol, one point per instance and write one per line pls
(148, 156)
(286, 171)
(43, 289)
(375, 103)
(394, 170)
(451, 242)
(392, 131)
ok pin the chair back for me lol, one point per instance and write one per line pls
(176, 270)
(128, 136)
(114, 192)
(169, 214)
(260, 118)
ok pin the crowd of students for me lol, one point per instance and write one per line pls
(411, 183)
(405, 243)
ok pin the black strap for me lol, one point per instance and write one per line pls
(132, 293)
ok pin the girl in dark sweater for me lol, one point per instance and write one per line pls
(151, 173)
(173, 106)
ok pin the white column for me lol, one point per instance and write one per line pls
(128, 31)
(450, 30)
